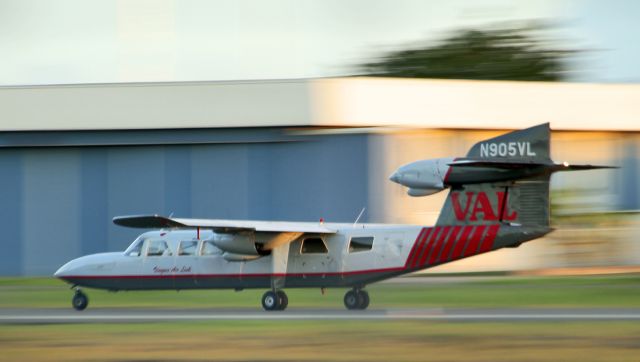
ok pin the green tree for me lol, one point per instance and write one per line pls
(502, 54)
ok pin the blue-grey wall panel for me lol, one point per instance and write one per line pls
(323, 178)
(219, 181)
(51, 213)
(177, 176)
(135, 186)
(261, 181)
(93, 200)
(11, 216)
(70, 194)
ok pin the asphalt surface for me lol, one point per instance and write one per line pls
(128, 315)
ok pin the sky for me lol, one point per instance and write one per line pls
(103, 41)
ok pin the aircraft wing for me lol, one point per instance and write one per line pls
(229, 226)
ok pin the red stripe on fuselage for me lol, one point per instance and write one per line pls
(439, 244)
(250, 275)
(462, 242)
(451, 240)
(487, 243)
(423, 246)
(412, 253)
(472, 248)
(429, 246)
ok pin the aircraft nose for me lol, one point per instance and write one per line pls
(66, 269)
(60, 272)
(395, 177)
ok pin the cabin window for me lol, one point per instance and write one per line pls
(360, 243)
(188, 247)
(209, 248)
(158, 248)
(135, 249)
(313, 246)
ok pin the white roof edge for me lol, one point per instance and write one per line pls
(357, 102)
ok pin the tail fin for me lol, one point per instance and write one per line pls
(522, 202)
(504, 179)
(531, 144)
(518, 201)
(499, 196)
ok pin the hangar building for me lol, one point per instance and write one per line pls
(74, 156)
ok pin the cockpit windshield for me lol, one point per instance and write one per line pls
(135, 249)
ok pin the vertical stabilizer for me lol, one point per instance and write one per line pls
(498, 196)
(527, 144)
(522, 202)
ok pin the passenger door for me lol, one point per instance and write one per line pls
(157, 265)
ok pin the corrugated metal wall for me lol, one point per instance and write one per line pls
(57, 203)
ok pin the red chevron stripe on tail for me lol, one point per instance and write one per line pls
(476, 237)
(432, 240)
(462, 242)
(412, 253)
(438, 246)
(487, 243)
(423, 246)
(451, 240)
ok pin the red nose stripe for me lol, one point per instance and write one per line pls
(472, 248)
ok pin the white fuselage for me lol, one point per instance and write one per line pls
(178, 259)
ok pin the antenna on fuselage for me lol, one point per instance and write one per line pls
(359, 215)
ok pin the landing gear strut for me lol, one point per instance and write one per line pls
(356, 299)
(275, 300)
(79, 300)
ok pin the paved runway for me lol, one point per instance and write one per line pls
(127, 315)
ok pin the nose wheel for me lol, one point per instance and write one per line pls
(275, 300)
(356, 299)
(79, 300)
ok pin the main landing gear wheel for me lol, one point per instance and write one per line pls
(282, 299)
(356, 299)
(79, 301)
(274, 300)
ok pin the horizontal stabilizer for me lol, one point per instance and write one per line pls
(228, 226)
(503, 164)
(568, 167)
(498, 164)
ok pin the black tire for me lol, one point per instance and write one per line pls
(270, 301)
(79, 301)
(351, 300)
(363, 299)
(283, 300)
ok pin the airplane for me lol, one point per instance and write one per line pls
(498, 198)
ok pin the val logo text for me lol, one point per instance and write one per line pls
(478, 206)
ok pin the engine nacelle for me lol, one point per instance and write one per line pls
(423, 192)
(239, 257)
(237, 243)
(424, 177)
